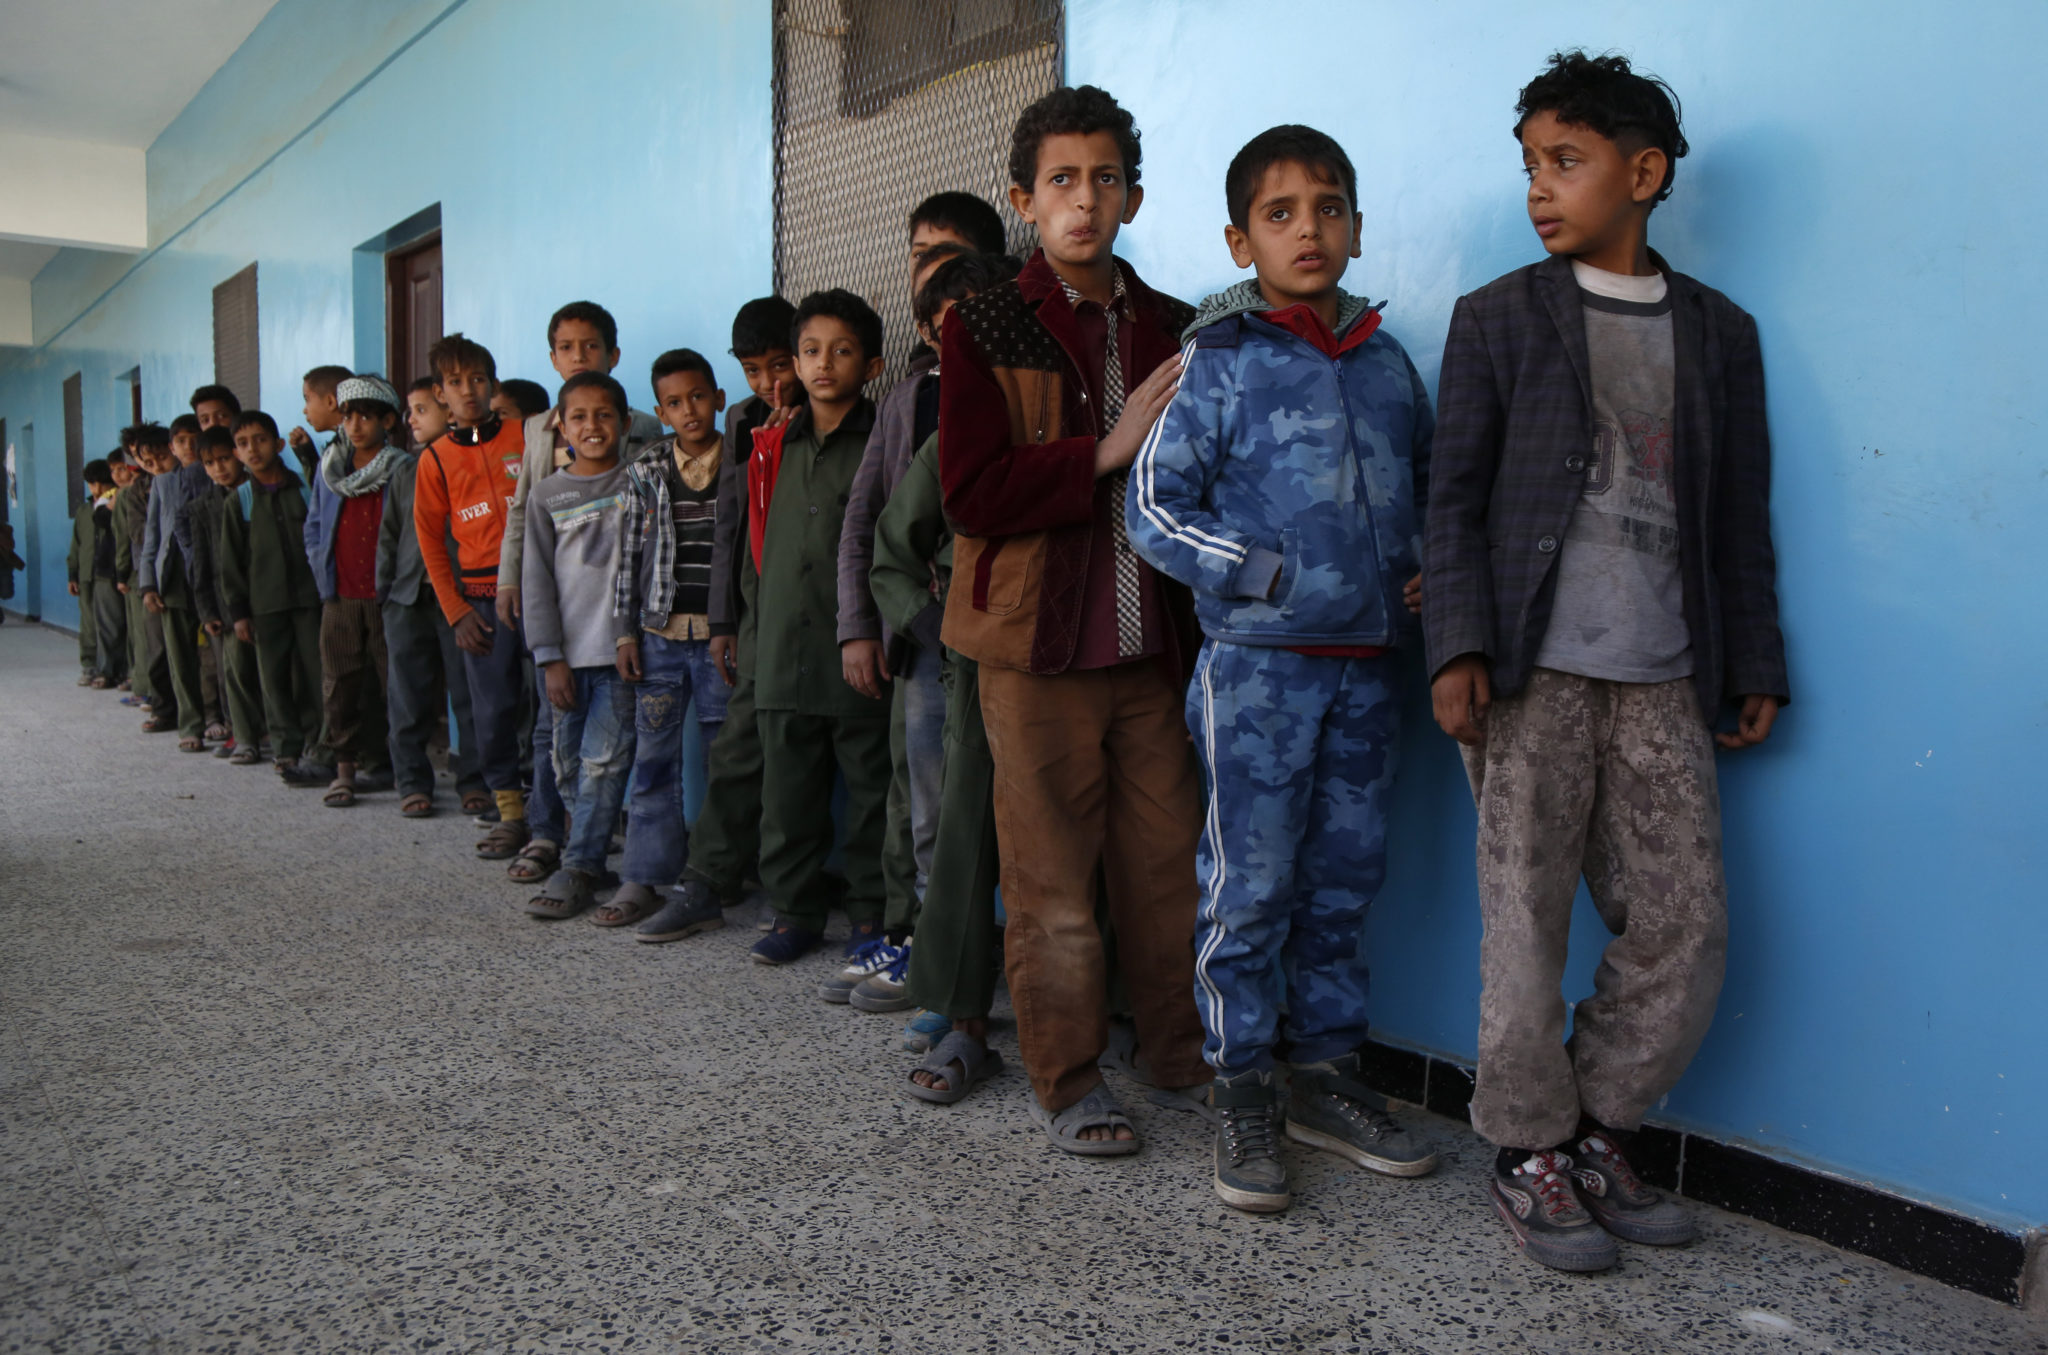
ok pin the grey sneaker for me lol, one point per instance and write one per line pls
(869, 958)
(1249, 1174)
(1618, 1200)
(691, 908)
(1537, 1203)
(1329, 1108)
(888, 989)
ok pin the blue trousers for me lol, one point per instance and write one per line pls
(1298, 754)
(674, 676)
(593, 754)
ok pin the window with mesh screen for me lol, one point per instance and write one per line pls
(878, 105)
(234, 338)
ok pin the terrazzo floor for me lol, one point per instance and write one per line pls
(276, 1077)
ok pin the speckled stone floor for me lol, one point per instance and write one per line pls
(277, 1077)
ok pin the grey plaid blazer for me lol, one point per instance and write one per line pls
(1514, 421)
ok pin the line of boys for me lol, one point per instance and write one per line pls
(1162, 707)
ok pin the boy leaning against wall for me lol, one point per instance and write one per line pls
(1599, 580)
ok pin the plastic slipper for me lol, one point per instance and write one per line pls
(417, 806)
(1098, 1109)
(191, 745)
(244, 757)
(976, 1061)
(536, 861)
(632, 905)
(476, 803)
(340, 795)
(502, 841)
(566, 894)
(217, 733)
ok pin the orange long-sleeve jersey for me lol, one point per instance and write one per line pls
(465, 490)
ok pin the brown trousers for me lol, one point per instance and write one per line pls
(353, 668)
(1613, 781)
(1095, 768)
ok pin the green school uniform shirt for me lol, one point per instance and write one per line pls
(913, 541)
(262, 557)
(796, 661)
(130, 504)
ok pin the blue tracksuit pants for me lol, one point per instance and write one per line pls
(1298, 753)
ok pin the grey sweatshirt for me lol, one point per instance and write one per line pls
(574, 528)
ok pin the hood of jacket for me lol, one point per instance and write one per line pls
(1243, 298)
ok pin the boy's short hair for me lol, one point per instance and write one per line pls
(323, 380)
(960, 277)
(1071, 111)
(97, 472)
(602, 381)
(184, 423)
(130, 434)
(253, 418)
(530, 396)
(844, 306)
(215, 395)
(217, 439)
(153, 435)
(117, 457)
(678, 360)
(421, 383)
(457, 352)
(965, 215)
(760, 325)
(590, 313)
(1289, 143)
(1605, 94)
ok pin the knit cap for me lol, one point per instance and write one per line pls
(366, 388)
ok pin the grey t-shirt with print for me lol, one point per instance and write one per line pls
(1619, 612)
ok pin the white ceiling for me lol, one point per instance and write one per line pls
(114, 72)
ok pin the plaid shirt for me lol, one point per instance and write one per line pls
(1514, 432)
(645, 502)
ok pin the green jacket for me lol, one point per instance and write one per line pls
(131, 509)
(796, 661)
(914, 546)
(261, 557)
(202, 514)
(78, 560)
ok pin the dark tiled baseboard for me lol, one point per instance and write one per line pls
(1927, 1241)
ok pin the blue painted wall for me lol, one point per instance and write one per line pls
(1851, 184)
(1848, 185)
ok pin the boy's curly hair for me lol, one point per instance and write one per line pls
(1071, 111)
(1605, 94)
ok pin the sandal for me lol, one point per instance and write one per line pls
(191, 745)
(418, 805)
(98, 684)
(244, 757)
(157, 725)
(976, 1061)
(217, 733)
(1096, 1110)
(502, 841)
(536, 861)
(476, 802)
(632, 904)
(340, 795)
(566, 894)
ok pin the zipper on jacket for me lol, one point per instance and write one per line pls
(1364, 496)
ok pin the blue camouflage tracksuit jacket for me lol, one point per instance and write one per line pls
(1286, 488)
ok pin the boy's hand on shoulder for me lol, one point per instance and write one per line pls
(725, 657)
(1118, 448)
(508, 605)
(561, 685)
(1460, 696)
(1759, 713)
(1411, 593)
(865, 667)
(472, 633)
(245, 631)
(627, 659)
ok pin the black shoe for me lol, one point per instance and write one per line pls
(691, 908)
(1540, 1208)
(1329, 1108)
(304, 774)
(1618, 1200)
(1249, 1174)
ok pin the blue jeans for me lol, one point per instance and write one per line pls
(593, 753)
(674, 674)
(924, 736)
(544, 808)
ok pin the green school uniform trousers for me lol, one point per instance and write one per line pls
(78, 569)
(181, 647)
(815, 729)
(266, 580)
(128, 508)
(241, 684)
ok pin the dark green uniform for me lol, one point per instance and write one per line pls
(242, 686)
(812, 723)
(130, 506)
(952, 966)
(78, 570)
(266, 581)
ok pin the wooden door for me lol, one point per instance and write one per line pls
(413, 303)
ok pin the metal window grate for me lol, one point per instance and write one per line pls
(879, 103)
(235, 350)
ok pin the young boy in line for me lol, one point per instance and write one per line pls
(98, 480)
(215, 407)
(878, 663)
(341, 544)
(423, 667)
(463, 490)
(153, 449)
(131, 484)
(575, 524)
(661, 612)
(160, 571)
(199, 524)
(1600, 581)
(520, 399)
(1282, 485)
(323, 414)
(725, 841)
(812, 723)
(1084, 650)
(582, 337)
(109, 611)
(950, 973)
(273, 601)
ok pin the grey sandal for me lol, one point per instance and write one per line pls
(977, 1064)
(567, 893)
(1095, 1110)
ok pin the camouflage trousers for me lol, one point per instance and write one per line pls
(1615, 782)
(1298, 753)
